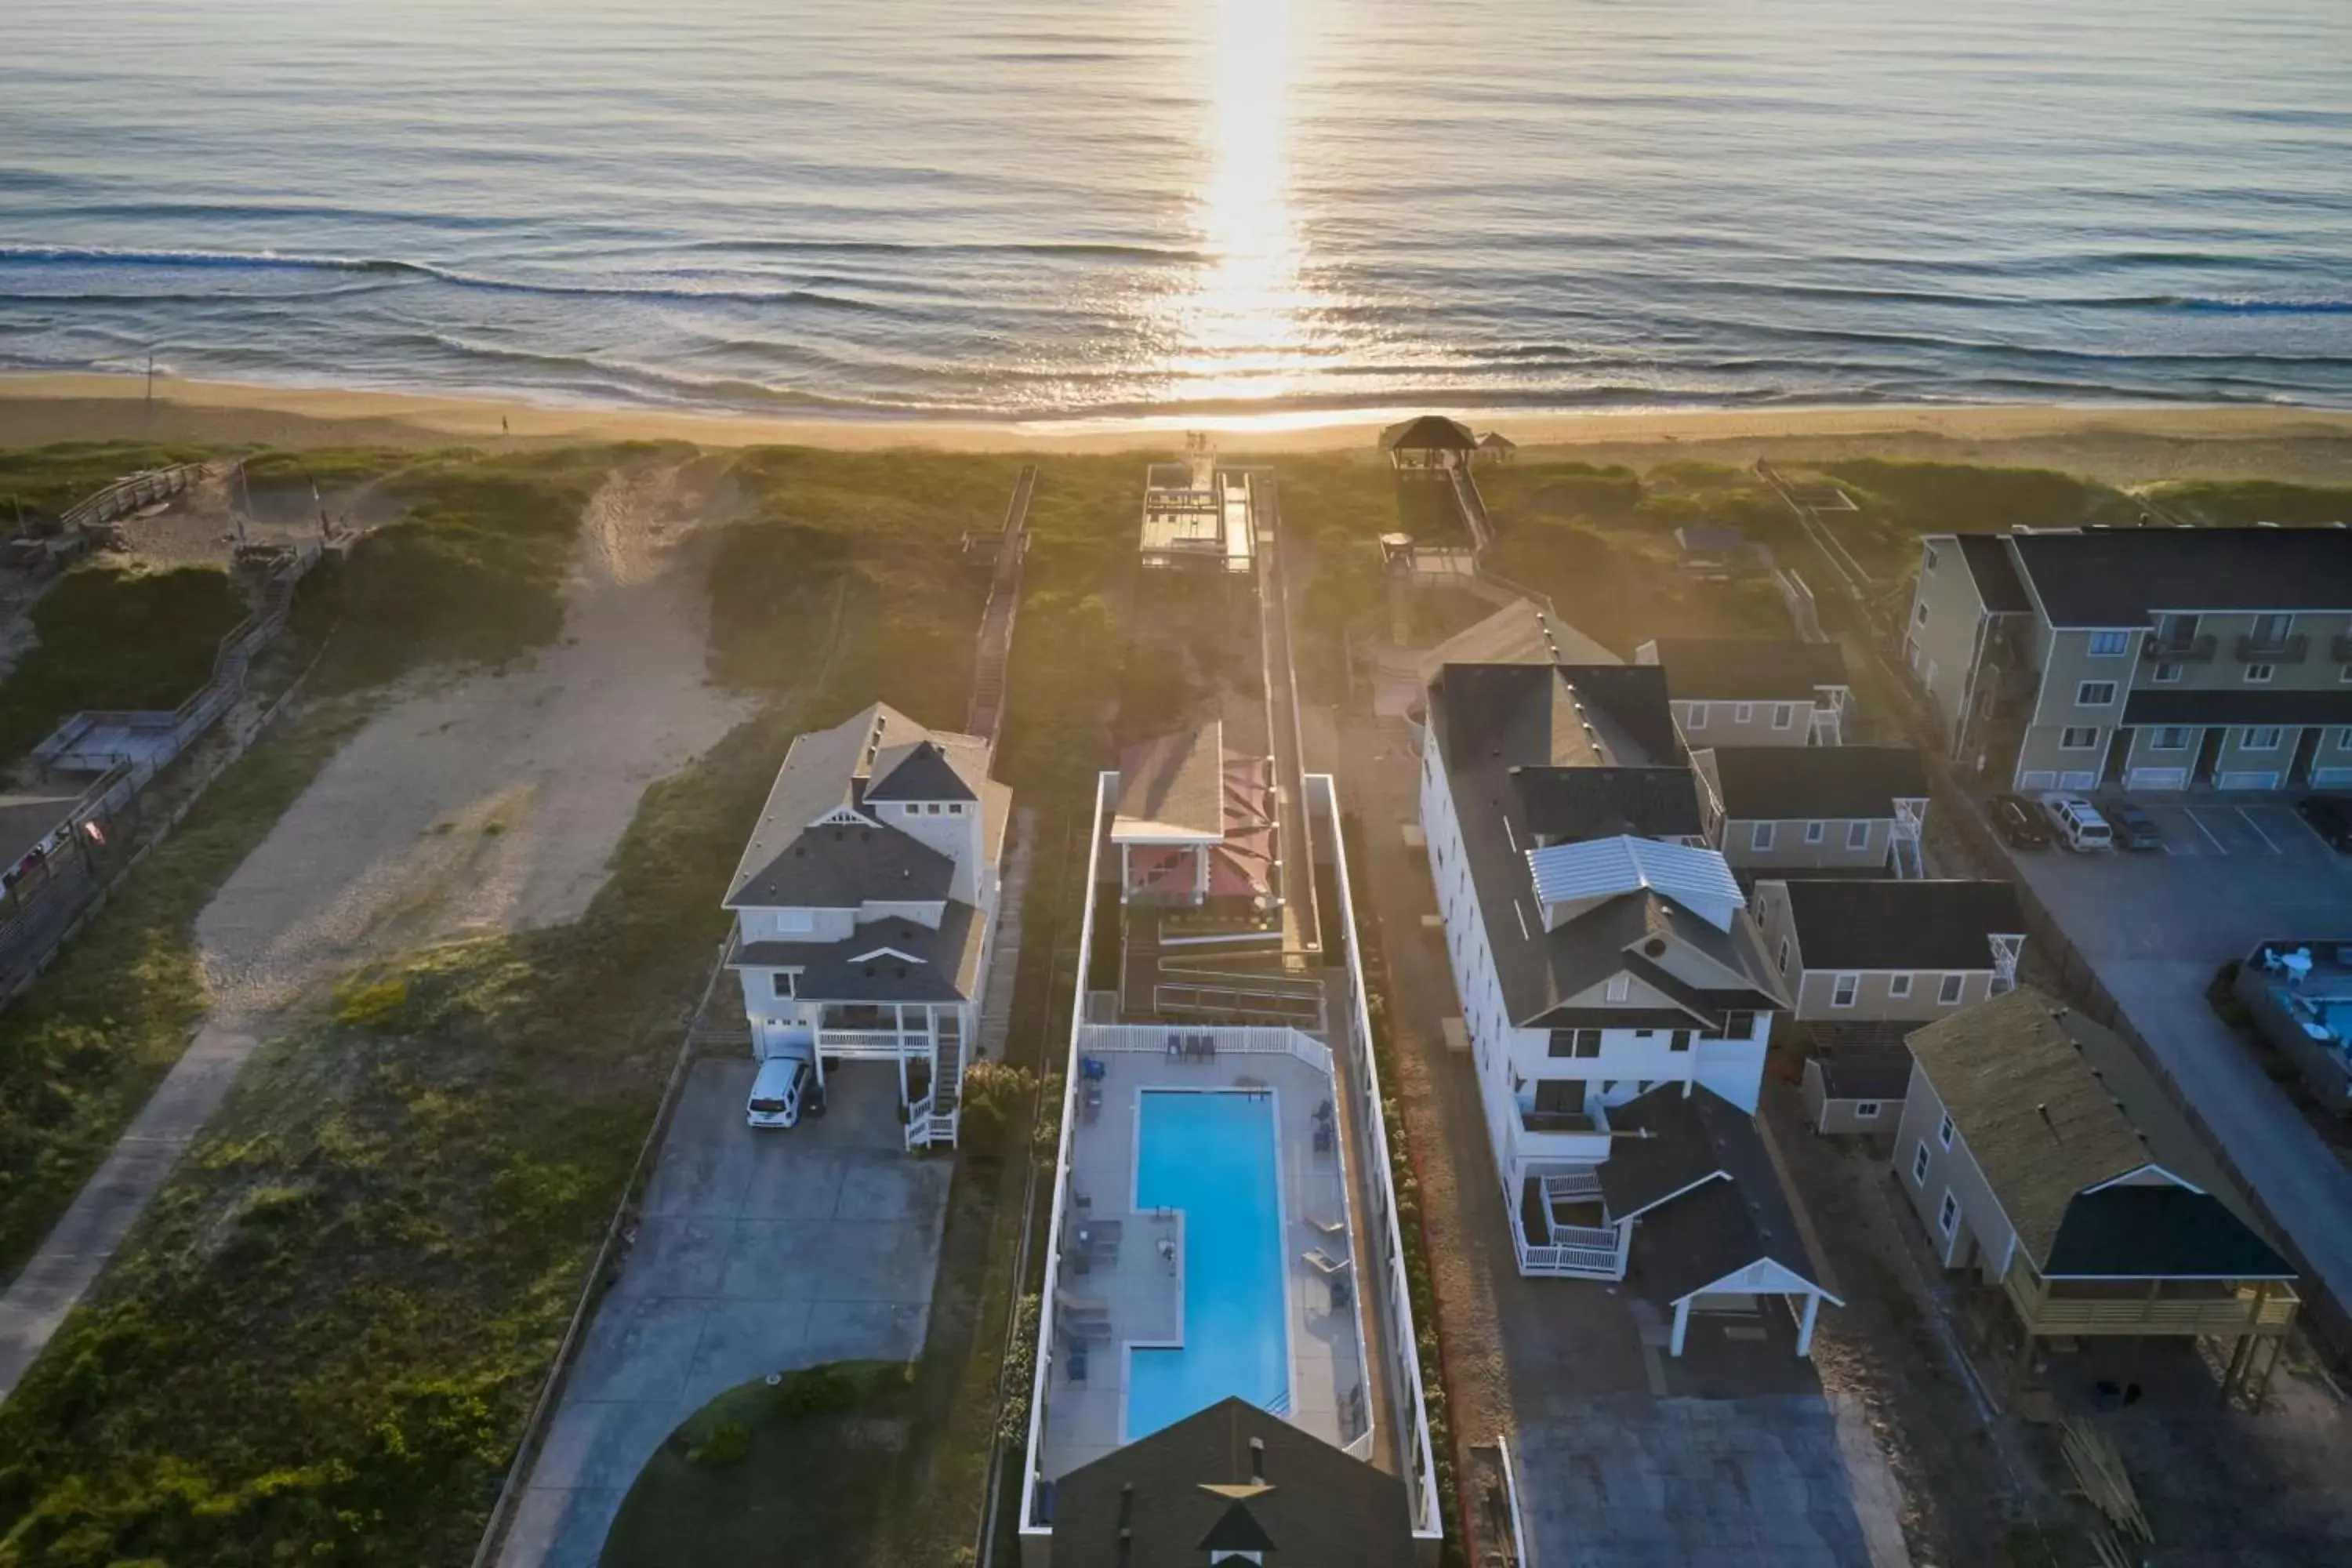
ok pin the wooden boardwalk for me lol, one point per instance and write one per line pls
(987, 674)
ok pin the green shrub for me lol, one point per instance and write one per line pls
(727, 1443)
(371, 1005)
(115, 638)
(995, 1095)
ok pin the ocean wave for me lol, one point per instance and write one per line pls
(265, 260)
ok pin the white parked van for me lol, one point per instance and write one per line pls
(2079, 825)
(780, 1091)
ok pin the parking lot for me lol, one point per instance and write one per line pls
(2154, 927)
(756, 1252)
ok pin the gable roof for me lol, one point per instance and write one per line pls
(1694, 1167)
(2049, 1104)
(1556, 715)
(878, 754)
(1521, 632)
(1495, 440)
(1900, 923)
(1990, 567)
(1740, 669)
(1785, 783)
(1429, 432)
(2136, 1232)
(889, 959)
(2122, 576)
(1189, 1485)
(1173, 787)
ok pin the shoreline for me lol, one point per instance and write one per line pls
(40, 407)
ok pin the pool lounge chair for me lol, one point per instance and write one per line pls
(1068, 1304)
(1324, 1263)
(1331, 1227)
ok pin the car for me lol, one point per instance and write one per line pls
(2330, 816)
(781, 1090)
(2018, 825)
(2079, 825)
(2134, 827)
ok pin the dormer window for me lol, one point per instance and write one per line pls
(786, 984)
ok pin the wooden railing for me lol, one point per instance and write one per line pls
(2265, 1307)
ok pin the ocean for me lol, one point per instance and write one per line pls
(1100, 209)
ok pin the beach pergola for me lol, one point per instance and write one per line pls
(1431, 443)
(1497, 447)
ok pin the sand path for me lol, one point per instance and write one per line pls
(491, 803)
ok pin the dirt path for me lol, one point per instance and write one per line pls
(491, 803)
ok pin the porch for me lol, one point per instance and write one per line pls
(2191, 1308)
(1561, 1229)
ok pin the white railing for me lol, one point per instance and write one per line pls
(1570, 1262)
(1524, 1547)
(1163, 1039)
(1572, 1186)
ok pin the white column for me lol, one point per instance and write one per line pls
(1805, 1328)
(1682, 1325)
(1200, 873)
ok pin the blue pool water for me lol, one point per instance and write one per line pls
(1212, 1155)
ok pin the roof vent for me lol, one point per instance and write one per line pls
(1654, 947)
(1257, 1458)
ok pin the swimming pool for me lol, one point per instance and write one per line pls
(1212, 1154)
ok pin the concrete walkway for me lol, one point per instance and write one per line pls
(758, 1252)
(80, 1244)
(1005, 959)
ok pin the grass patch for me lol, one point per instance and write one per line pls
(2239, 503)
(81, 1050)
(113, 637)
(322, 1341)
(473, 574)
(40, 482)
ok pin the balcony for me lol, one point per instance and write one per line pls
(1563, 1134)
(2179, 1307)
(2177, 650)
(2339, 647)
(2273, 651)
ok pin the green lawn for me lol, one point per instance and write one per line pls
(39, 483)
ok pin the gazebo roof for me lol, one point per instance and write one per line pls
(1495, 440)
(1429, 433)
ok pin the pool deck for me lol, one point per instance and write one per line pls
(1082, 1419)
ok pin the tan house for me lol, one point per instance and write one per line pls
(1870, 949)
(2048, 1163)
(1753, 691)
(2148, 659)
(1851, 808)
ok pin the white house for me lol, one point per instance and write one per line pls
(1606, 960)
(865, 903)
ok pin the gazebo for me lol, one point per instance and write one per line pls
(1494, 446)
(1431, 444)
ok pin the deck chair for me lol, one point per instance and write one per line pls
(1330, 1228)
(1323, 1263)
(1069, 1304)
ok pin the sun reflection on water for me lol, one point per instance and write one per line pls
(1240, 328)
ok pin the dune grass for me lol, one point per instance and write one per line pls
(115, 638)
(319, 1343)
(40, 482)
(2245, 502)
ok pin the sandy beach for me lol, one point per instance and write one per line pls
(2121, 443)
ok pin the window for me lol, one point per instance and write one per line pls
(1919, 1165)
(1698, 715)
(2260, 674)
(1559, 1096)
(1680, 1040)
(2078, 737)
(1620, 987)
(792, 922)
(2344, 672)
(1857, 835)
(1944, 1130)
(1898, 987)
(1760, 835)
(2110, 644)
(1576, 1042)
(1738, 1026)
(2270, 631)
(2096, 694)
(1816, 831)
(2260, 737)
(2169, 737)
(1866, 1109)
(1919, 614)
(1743, 713)
(1784, 715)
(1843, 989)
(1948, 993)
(2176, 631)
(786, 984)
(2168, 674)
(1948, 1212)
(932, 809)
(955, 808)
(1784, 955)
(1927, 561)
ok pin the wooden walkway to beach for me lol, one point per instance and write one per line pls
(987, 674)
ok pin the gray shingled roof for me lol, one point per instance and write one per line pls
(1780, 784)
(1748, 669)
(1429, 432)
(946, 966)
(1174, 1491)
(1174, 784)
(1518, 633)
(789, 862)
(2120, 577)
(1564, 804)
(2239, 705)
(1989, 567)
(1898, 923)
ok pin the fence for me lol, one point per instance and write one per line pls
(129, 493)
(1155, 1039)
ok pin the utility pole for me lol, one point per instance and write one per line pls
(150, 383)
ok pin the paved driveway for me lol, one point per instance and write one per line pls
(757, 1252)
(2155, 927)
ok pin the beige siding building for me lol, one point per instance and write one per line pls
(1753, 691)
(1847, 808)
(2148, 658)
(1882, 949)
